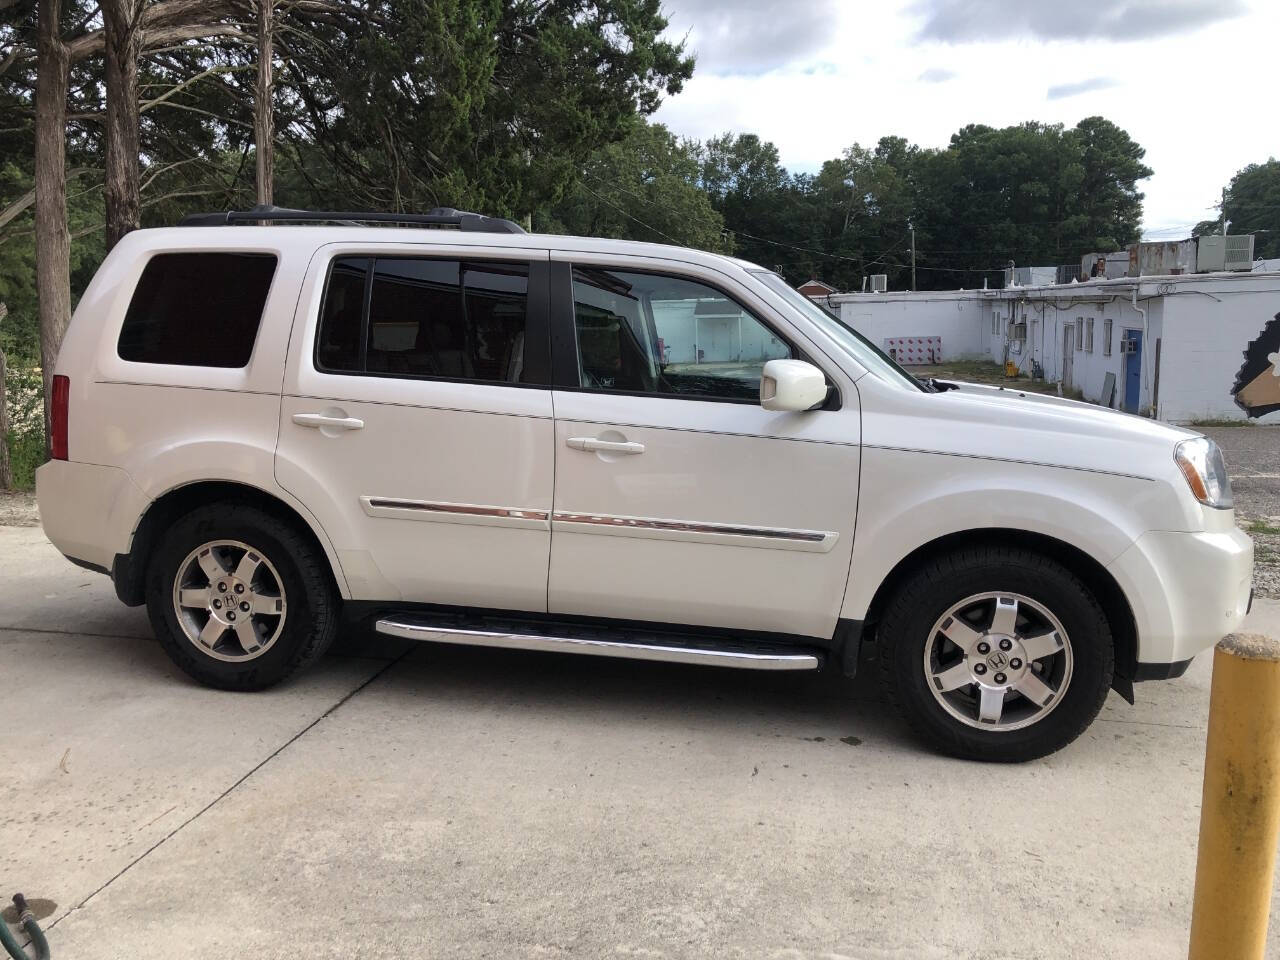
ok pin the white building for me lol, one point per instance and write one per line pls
(1172, 345)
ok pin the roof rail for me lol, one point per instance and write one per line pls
(439, 217)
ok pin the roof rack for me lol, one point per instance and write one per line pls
(439, 217)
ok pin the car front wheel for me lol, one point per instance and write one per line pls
(996, 653)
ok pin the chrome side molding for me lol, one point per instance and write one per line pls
(742, 659)
(652, 528)
(468, 513)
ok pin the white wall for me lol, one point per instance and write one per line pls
(1204, 341)
(955, 317)
(735, 338)
(1201, 325)
(1048, 320)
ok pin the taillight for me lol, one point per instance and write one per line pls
(61, 398)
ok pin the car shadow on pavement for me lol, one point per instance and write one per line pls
(819, 705)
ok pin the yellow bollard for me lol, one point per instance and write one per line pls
(1240, 810)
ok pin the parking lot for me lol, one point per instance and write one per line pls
(441, 801)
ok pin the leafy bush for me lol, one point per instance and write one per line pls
(24, 397)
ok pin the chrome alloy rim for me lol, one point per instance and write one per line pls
(229, 600)
(998, 661)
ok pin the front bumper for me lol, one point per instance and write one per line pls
(1187, 590)
(88, 511)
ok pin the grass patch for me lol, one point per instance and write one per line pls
(1263, 528)
(985, 372)
(1211, 422)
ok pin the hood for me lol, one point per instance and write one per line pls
(1008, 424)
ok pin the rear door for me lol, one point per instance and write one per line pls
(678, 498)
(415, 421)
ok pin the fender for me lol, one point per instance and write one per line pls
(177, 466)
(922, 497)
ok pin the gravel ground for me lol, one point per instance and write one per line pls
(18, 510)
(1253, 460)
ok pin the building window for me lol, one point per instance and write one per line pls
(995, 322)
(1079, 333)
(1106, 338)
(1088, 335)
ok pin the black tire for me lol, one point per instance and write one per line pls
(311, 621)
(931, 591)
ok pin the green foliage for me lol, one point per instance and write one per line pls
(1253, 206)
(642, 188)
(24, 395)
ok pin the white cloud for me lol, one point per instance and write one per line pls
(866, 74)
(751, 36)
(960, 21)
(1063, 90)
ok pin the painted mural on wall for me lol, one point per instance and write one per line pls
(1257, 387)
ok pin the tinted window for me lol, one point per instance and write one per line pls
(338, 347)
(197, 309)
(456, 320)
(647, 333)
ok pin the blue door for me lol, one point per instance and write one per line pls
(1132, 347)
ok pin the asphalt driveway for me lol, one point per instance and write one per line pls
(436, 801)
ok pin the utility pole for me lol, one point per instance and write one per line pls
(1224, 211)
(913, 256)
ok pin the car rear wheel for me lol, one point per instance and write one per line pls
(996, 654)
(240, 599)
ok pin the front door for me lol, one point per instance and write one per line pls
(1068, 356)
(678, 499)
(416, 422)
(1132, 349)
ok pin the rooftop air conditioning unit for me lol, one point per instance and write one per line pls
(1211, 253)
(1239, 254)
(880, 282)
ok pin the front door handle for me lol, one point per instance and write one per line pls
(322, 420)
(592, 445)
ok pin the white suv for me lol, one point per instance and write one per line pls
(482, 436)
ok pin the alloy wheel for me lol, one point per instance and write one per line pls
(998, 661)
(229, 600)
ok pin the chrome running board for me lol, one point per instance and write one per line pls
(594, 642)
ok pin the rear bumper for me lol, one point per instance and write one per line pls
(88, 511)
(1187, 591)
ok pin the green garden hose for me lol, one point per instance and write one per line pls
(28, 923)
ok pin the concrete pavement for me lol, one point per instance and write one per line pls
(443, 801)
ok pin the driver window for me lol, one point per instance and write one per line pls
(649, 333)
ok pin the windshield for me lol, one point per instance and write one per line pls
(855, 344)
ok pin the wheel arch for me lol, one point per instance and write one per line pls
(1115, 606)
(129, 570)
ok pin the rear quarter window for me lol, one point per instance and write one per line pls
(197, 309)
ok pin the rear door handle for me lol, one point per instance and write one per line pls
(319, 420)
(592, 445)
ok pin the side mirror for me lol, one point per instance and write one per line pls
(792, 385)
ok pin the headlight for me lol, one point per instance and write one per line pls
(1201, 463)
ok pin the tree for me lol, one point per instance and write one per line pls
(489, 103)
(766, 210)
(1252, 206)
(6, 472)
(642, 188)
(1110, 204)
(263, 117)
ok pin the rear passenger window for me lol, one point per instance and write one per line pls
(446, 319)
(197, 309)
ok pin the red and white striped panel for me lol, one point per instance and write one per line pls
(914, 350)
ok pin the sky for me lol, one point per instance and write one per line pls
(1192, 81)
